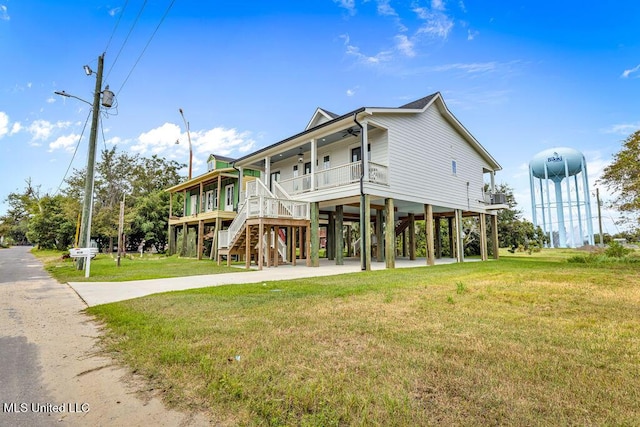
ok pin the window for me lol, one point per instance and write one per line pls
(356, 153)
(275, 177)
(454, 167)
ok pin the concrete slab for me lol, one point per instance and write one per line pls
(96, 293)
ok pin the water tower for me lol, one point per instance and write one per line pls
(568, 203)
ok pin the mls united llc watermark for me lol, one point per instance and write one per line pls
(45, 408)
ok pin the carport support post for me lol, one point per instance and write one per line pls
(379, 236)
(315, 237)
(389, 235)
(365, 237)
(494, 236)
(339, 235)
(438, 238)
(412, 237)
(428, 225)
(330, 237)
(483, 237)
(459, 240)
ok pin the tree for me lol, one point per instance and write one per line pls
(623, 177)
(15, 223)
(51, 227)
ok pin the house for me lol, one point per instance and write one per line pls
(209, 204)
(375, 168)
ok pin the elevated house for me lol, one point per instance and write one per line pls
(379, 168)
(209, 204)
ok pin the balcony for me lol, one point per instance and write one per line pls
(335, 177)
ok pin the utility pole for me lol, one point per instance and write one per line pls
(599, 216)
(87, 204)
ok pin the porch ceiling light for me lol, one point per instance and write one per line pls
(300, 156)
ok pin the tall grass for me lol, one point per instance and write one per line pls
(527, 340)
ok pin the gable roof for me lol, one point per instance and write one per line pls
(417, 106)
(320, 116)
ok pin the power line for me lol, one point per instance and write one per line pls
(116, 26)
(147, 45)
(74, 153)
(127, 38)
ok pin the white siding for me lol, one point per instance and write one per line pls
(421, 149)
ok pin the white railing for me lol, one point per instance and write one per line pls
(225, 237)
(280, 192)
(335, 177)
(262, 207)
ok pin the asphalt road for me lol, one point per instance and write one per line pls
(21, 380)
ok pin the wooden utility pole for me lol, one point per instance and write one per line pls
(121, 231)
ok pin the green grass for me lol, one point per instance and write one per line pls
(104, 267)
(527, 340)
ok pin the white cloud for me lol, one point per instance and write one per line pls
(41, 130)
(380, 57)
(437, 23)
(475, 67)
(349, 5)
(159, 139)
(219, 140)
(114, 11)
(4, 14)
(4, 124)
(627, 73)
(472, 34)
(66, 143)
(404, 45)
(351, 92)
(385, 9)
(15, 128)
(625, 129)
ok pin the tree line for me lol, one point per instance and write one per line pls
(50, 221)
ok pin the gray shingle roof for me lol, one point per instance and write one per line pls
(420, 103)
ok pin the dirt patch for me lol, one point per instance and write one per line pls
(85, 386)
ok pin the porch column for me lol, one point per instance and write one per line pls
(438, 224)
(389, 235)
(314, 156)
(459, 240)
(201, 198)
(330, 237)
(365, 237)
(349, 252)
(315, 237)
(240, 185)
(247, 247)
(218, 193)
(364, 151)
(172, 239)
(307, 245)
(483, 237)
(260, 244)
(293, 246)
(302, 243)
(452, 253)
(267, 172)
(339, 246)
(404, 243)
(379, 236)
(276, 245)
(428, 226)
(412, 237)
(494, 236)
(200, 239)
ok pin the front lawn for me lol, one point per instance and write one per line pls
(527, 340)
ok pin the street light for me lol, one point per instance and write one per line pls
(87, 205)
(186, 124)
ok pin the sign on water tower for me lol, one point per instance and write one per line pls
(566, 210)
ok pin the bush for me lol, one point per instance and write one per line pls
(617, 250)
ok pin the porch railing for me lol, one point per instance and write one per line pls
(335, 177)
(262, 207)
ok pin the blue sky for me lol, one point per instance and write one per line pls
(522, 76)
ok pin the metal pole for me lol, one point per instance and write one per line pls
(599, 216)
(186, 124)
(85, 233)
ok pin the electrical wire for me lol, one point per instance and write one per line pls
(74, 153)
(117, 24)
(135, 22)
(147, 45)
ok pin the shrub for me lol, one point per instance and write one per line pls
(617, 250)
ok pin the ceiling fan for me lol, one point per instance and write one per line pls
(353, 131)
